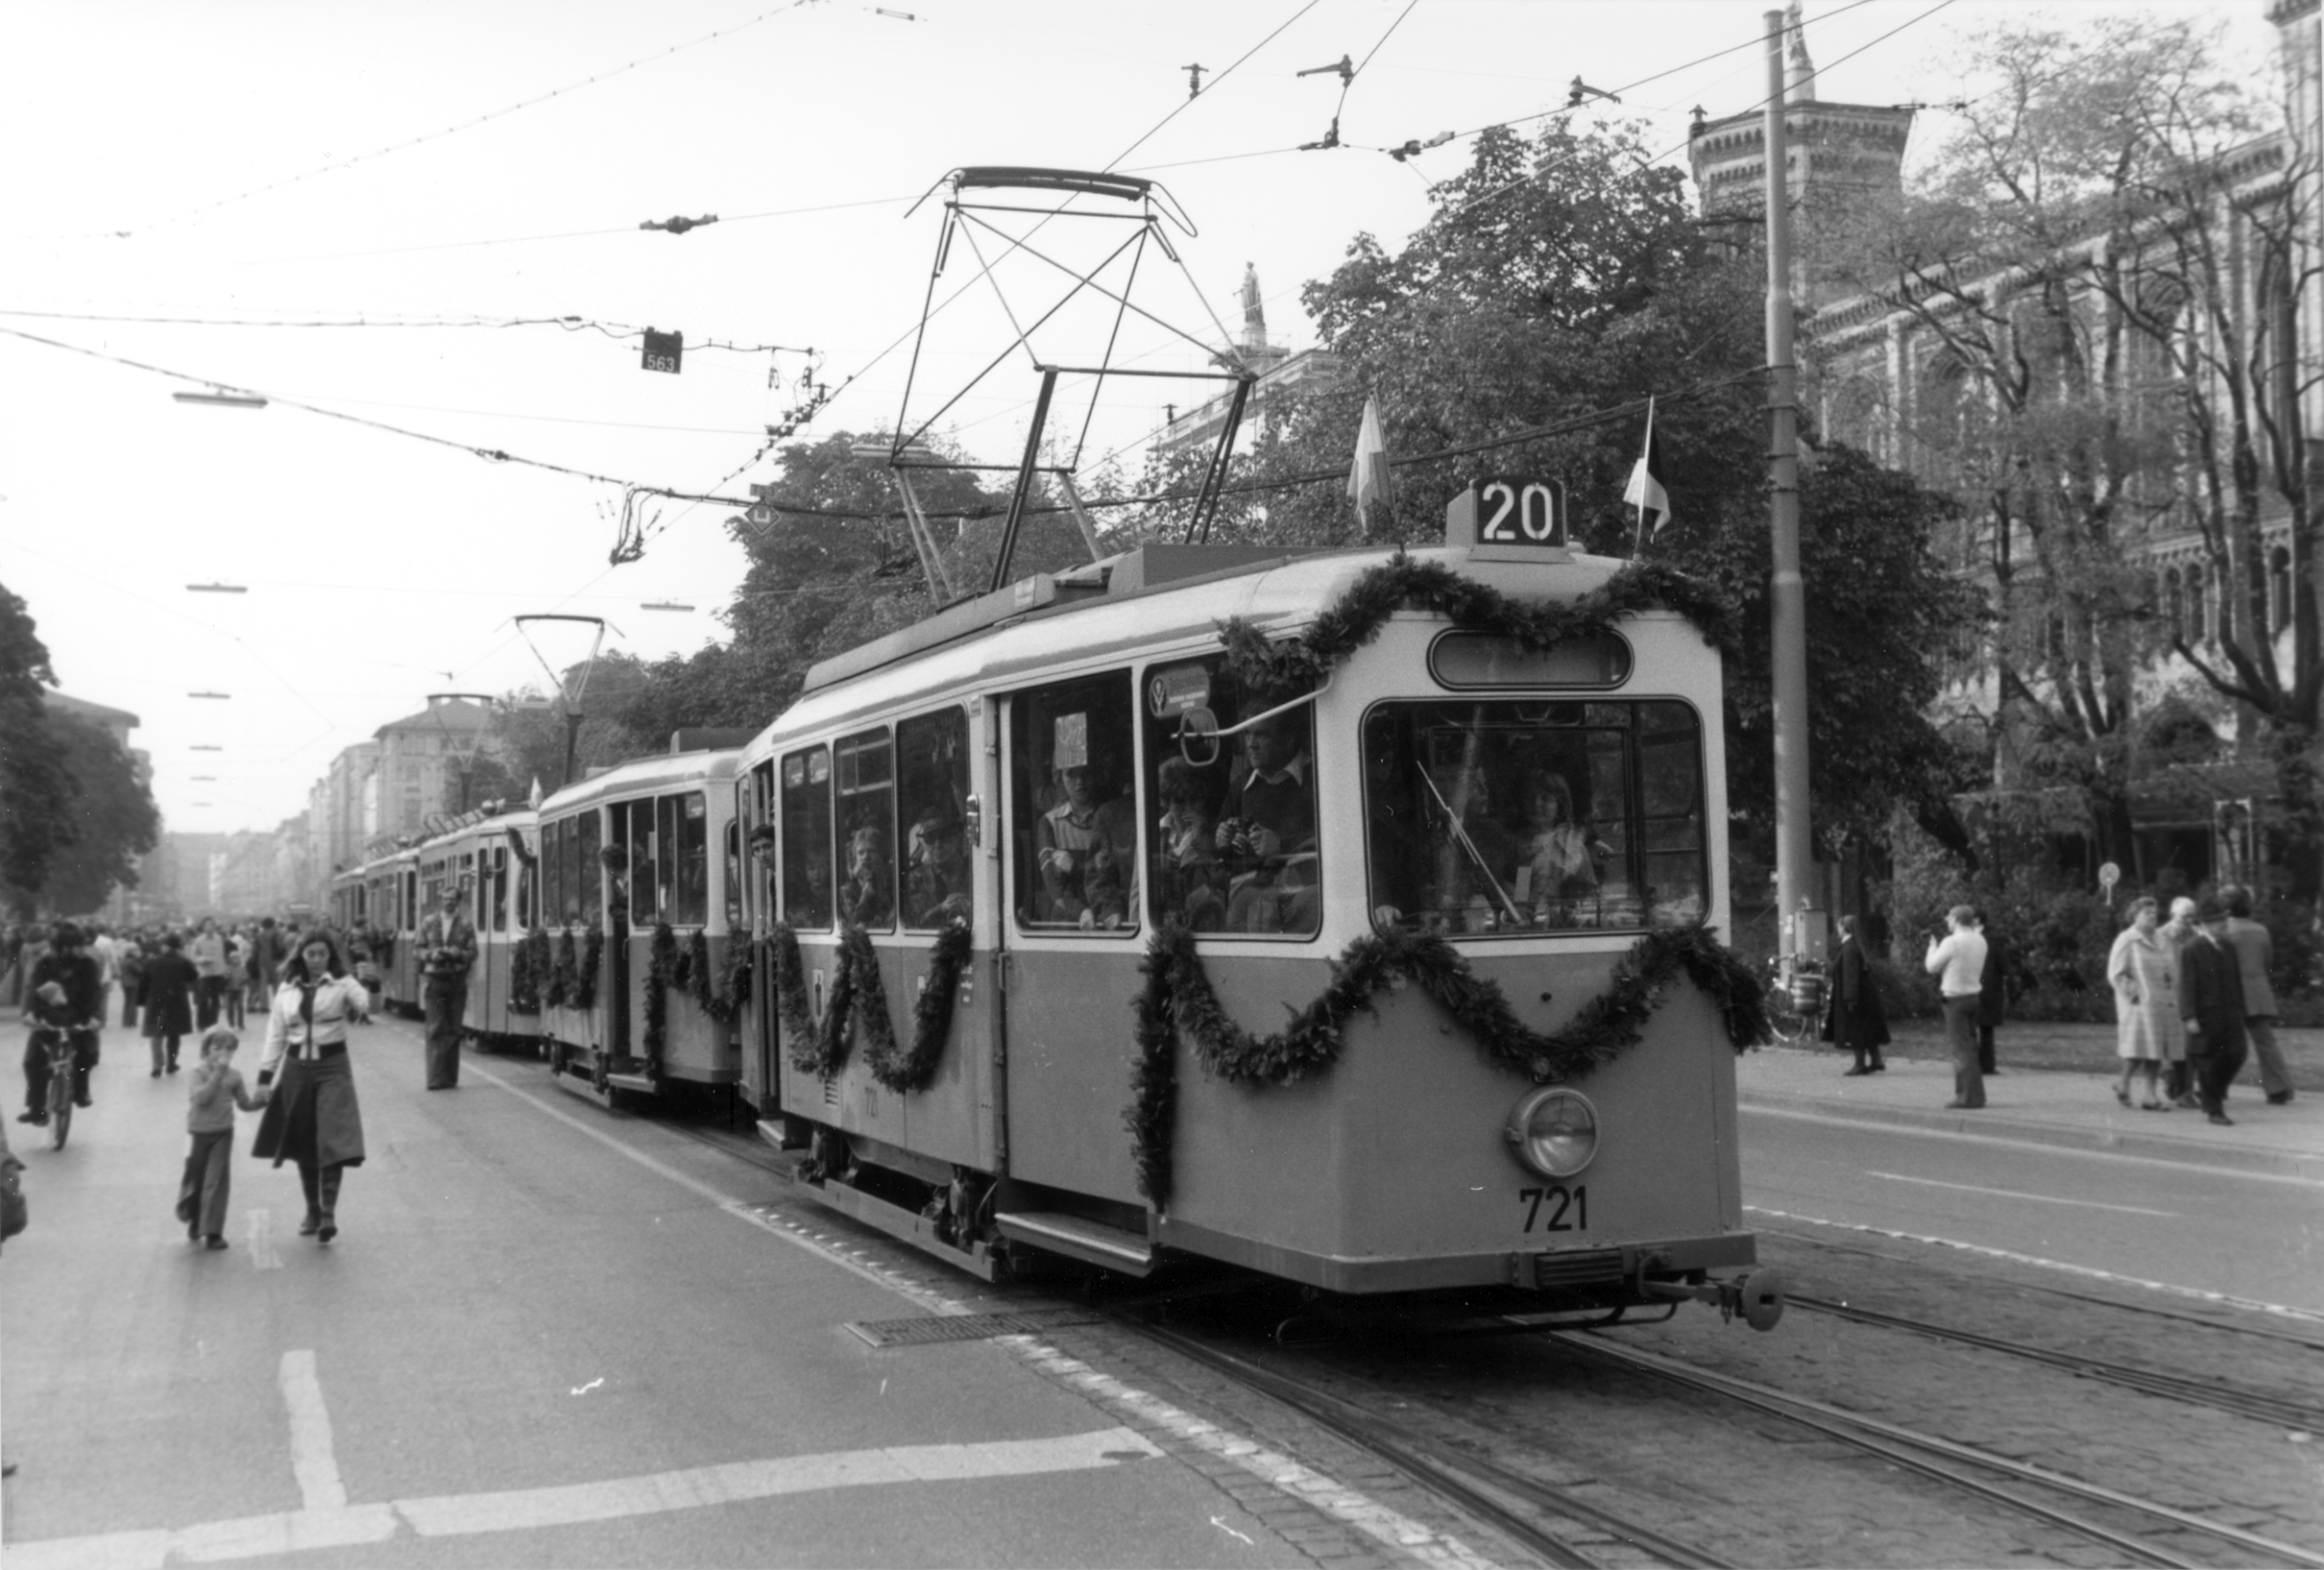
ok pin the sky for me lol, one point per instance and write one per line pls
(450, 175)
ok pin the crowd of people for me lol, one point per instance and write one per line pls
(208, 980)
(2192, 1003)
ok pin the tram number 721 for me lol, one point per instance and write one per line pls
(1562, 1203)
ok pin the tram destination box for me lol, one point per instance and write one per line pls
(1510, 520)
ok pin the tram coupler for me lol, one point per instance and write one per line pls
(1755, 1294)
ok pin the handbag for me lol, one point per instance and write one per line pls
(14, 1214)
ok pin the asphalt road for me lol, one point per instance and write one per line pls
(2202, 1229)
(545, 1335)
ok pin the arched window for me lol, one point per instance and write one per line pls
(2279, 590)
(2198, 608)
(2174, 607)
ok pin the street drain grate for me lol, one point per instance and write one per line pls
(967, 1327)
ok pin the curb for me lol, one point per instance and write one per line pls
(2270, 1160)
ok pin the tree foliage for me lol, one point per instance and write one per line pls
(114, 819)
(2108, 296)
(35, 788)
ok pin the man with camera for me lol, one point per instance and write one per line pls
(447, 947)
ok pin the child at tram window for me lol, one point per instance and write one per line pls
(212, 1093)
(1558, 866)
(863, 898)
(1186, 859)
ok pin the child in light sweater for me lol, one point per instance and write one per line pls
(213, 1094)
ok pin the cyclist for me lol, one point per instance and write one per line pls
(81, 1013)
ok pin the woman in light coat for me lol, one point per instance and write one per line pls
(2144, 971)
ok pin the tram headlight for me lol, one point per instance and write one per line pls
(1554, 1131)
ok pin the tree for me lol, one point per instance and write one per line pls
(114, 818)
(36, 820)
(2106, 260)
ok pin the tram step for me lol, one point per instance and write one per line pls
(1093, 1242)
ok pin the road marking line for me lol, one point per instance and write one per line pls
(2016, 1194)
(517, 1510)
(1956, 1137)
(317, 1468)
(1295, 1480)
(260, 1240)
(2251, 1304)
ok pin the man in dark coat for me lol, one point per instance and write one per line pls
(447, 947)
(1856, 1020)
(2212, 1000)
(76, 970)
(166, 994)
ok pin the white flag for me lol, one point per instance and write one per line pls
(535, 797)
(1646, 491)
(1368, 482)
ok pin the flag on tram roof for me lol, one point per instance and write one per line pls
(1646, 491)
(1367, 480)
(535, 797)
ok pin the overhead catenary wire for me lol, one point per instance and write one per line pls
(465, 125)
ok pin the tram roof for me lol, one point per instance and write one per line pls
(657, 771)
(1147, 598)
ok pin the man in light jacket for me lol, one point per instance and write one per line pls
(447, 947)
(1957, 960)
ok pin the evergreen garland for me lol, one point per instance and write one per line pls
(931, 1019)
(734, 988)
(528, 973)
(656, 997)
(1355, 620)
(1177, 997)
(564, 977)
(860, 997)
(585, 988)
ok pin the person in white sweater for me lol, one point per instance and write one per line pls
(1956, 958)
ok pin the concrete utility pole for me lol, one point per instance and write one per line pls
(1801, 937)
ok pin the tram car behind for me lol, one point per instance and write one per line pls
(1078, 937)
(639, 874)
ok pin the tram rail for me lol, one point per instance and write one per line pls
(1943, 1459)
(2256, 1405)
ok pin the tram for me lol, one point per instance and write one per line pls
(1079, 930)
(640, 876)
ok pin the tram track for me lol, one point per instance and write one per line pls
(1945, 1460)
(2256, 1405)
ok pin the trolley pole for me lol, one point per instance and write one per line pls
(1800, 937)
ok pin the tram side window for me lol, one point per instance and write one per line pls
(685, 838)
(807, 880)
(866, 768)
(733, 874)
(591, 869)
(1075, 819)
(759, 843)
(1233, 840)
(1534, 816)
(647, 866)
(933, 809)
(498, 893)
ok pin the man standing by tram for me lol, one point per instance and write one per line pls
(447, 947)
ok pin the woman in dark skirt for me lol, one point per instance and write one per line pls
(312, 1117)
(1857, 1021)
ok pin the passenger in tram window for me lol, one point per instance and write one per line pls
(1088, 852)
(1186, 859)
(864, 897)
(1269, 845)
(1478, 858)
(1557, 865)
(937, 883)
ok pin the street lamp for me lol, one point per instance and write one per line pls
(221, 696)
(662, 605)
(203, 746)
(216, 588)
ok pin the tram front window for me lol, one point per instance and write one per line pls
(1530, 817)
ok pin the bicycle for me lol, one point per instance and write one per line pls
(1794, 1000)
(61, 1056)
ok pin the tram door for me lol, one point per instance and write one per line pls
(1071, 911)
